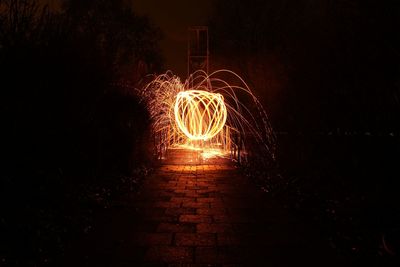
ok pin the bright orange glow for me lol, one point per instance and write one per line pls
(199, 114)
(205, 113)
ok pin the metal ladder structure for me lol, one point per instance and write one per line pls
(198, 52)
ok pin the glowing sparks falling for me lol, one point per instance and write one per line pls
(205, 113)
(199, 114)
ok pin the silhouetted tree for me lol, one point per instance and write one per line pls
(319, 65)
(70, 131)
(323, 66)
(124, 38)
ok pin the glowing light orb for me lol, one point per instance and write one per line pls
(199, 114)
(207, 107)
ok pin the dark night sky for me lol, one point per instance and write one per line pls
(174, 17)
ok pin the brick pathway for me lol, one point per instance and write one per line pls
(200, 213)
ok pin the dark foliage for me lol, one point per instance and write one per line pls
(328, 75)
(318, 65)
(71, 140)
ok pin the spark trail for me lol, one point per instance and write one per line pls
(209, 113)
(200, 114)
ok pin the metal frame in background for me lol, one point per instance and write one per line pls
(198, 52)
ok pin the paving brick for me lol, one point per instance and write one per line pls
(182, 199)
(197, 187)
(195, 239)
(208, 199)
(193, 194)
(166, 204)
(214, 228)
(195, 218)
(206, 191)
(183, 191)
(201, 214)
(211, 211)
(176, 227)
(180, 211)
(194, 204)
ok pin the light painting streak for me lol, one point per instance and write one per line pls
(199, 114)
(209, 113)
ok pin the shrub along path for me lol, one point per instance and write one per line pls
(195, 212)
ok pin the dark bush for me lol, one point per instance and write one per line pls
(71, 139)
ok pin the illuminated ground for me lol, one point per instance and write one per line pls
(200, 213)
